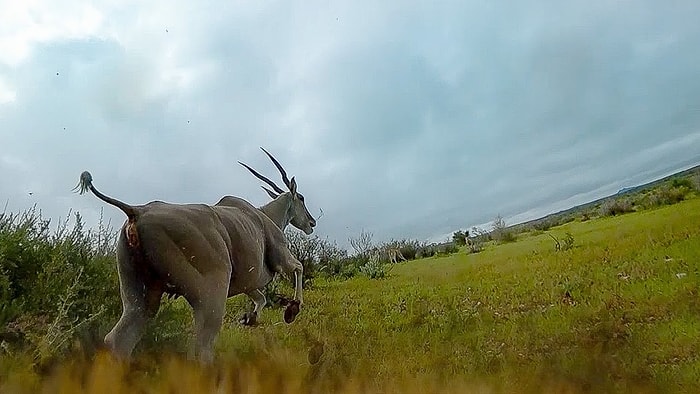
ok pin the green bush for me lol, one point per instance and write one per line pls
(672, 195)
(447, 249)
(459, 237)
(375, 269)
(542, 224)
(55, 287)
(342, 267)
(507, 236)
(306, 249)
(682, 183)
(568, 241)
(426, 251)
(617, 206)
(500, 232)
(669, 194)
(409, 249)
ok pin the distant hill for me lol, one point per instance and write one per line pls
(571, 213)
(625, 190)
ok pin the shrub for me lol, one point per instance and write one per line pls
(305, 249)
(53, 286)
(617, 206)
(362, 244)
(500, 231)
(568, 241)
(426, 251)
(682, 183)
(565, 244)
(459, 237)
(476, 242)
(542, 225)
(375, 269)
(409, 248)
(447, 249)
(348, 271)
(507, 236)
(666, 195)
(672, 195)
(330, 256)
(567, 219)
(342, 268)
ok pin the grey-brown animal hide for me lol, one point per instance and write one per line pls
(204, 253)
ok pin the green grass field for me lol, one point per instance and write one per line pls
(619, 312)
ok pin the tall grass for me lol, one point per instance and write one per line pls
(55, 287)
(618, 311)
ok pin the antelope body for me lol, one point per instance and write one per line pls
(204, 253)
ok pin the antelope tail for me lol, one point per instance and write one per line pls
(85, 184)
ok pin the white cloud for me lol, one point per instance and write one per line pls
(31, 22)
(405, 119)
(7, 94)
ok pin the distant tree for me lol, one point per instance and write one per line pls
(499, 224)
(459, 237)
(696, 181)
(477, 239)
(329, 251)
(362, 244)
(426, 251)
(617, 206)
(500, 231)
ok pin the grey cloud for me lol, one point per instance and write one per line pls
(404, 119)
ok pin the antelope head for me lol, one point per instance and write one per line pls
(295, 211)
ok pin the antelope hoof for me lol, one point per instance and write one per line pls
(291, 311)
(249, 319)
(282, 300)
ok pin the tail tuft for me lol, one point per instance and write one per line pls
(84, 184)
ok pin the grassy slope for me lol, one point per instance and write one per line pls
(619, 311)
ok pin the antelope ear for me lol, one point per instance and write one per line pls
(293, 186)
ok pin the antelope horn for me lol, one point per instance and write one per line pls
(279, 167)
(262, 178)
(270, 192)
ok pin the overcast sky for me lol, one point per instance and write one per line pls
(407, 119)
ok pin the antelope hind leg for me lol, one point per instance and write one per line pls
(259, 302)
(139, 304)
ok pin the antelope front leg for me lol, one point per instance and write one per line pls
(298, 284)
(292, 309)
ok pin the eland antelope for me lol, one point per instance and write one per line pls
(204, 253)
(394, 253)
